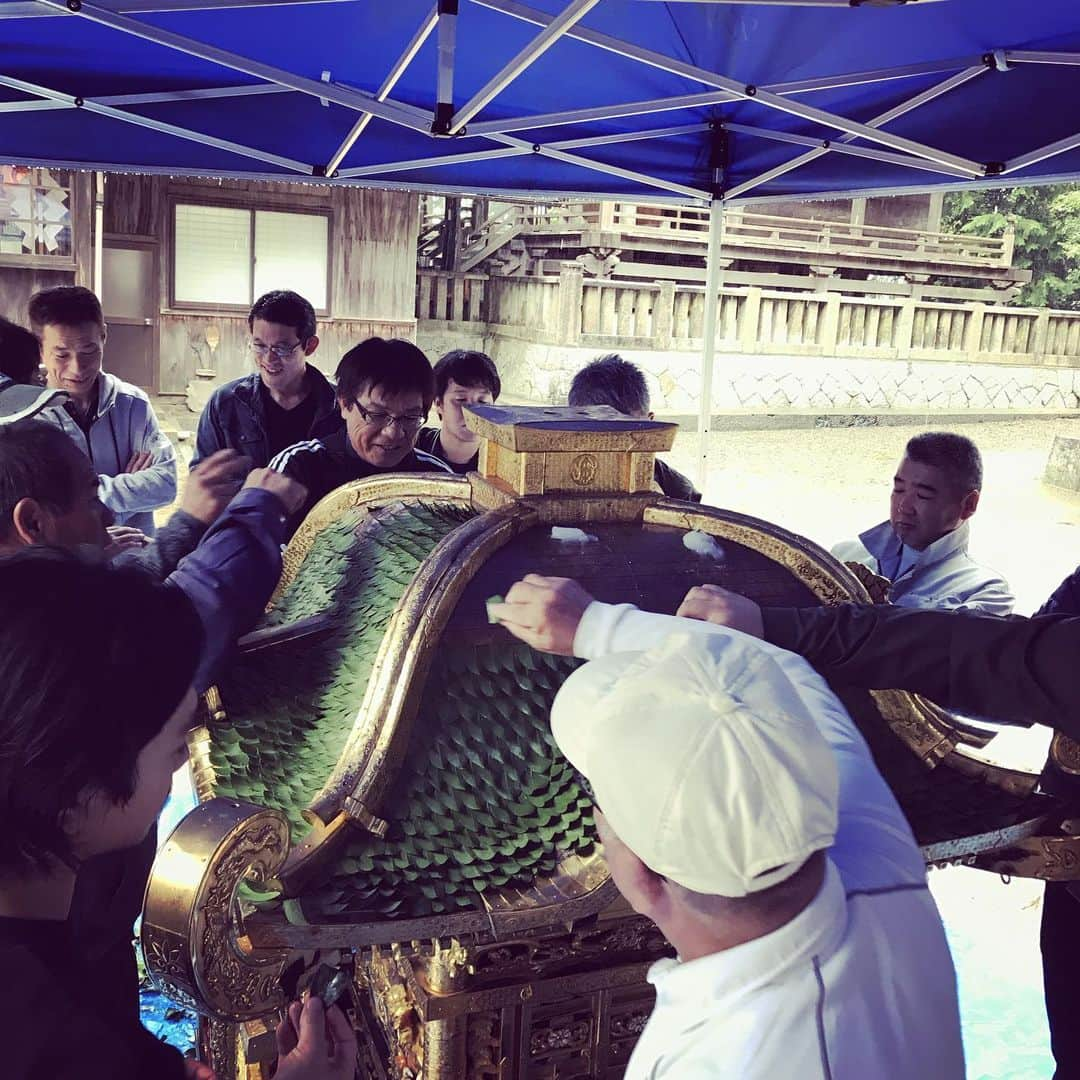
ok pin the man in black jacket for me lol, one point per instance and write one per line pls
(385, 389)
(284, 401)
(611, 380)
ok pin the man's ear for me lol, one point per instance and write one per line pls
(437, 402)
(311, 345)
(104, 334)
(30, 523)
(342, 407)
(969, 504)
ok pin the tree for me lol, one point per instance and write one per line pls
(1046, 224)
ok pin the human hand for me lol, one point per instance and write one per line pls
(544, 612)
(710, 603)
(124, 538)
(140, 460)
(212, 483)
(315, 1043)
(196, 1070)
(291, 492)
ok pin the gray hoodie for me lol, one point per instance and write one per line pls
(125, 425)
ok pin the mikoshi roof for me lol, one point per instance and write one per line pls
(638, 99)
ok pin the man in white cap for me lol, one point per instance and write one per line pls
(741, 811)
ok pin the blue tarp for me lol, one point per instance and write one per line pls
(1020, 92)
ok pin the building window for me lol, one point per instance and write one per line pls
(35, 212)
(226, 257)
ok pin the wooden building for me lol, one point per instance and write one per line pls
(181, 260)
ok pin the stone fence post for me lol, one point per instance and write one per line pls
(664, 315)
(571, 287)
(973, 337)
(830, 326)
(905, 327)
(749, 341)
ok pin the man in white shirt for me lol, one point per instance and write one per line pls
(922, 548)
(742, 812)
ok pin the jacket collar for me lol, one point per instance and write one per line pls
(247, 391)
(882, 542)
(698, 986)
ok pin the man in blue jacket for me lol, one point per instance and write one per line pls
(285, 400)
(109, 420)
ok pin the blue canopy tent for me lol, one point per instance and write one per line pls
(701, 102)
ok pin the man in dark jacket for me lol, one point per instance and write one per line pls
(385, 389)
(227, 564)
(1060, 933)
(284, 401)
(611, 380)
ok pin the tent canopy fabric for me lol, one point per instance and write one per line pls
(639, 99)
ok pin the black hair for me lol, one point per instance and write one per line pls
(20, 356)
(286, 308)
(37, 461)
(83, 688)
(66, 305)
(393, 365)
(610, 380)
(467, 368)
(956, 455)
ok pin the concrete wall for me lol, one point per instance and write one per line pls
(777, 383)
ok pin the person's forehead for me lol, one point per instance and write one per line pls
(405, 401)
(454, 387)
(915, 472)
(88, 333)
(273, 333)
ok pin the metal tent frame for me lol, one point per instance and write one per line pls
(702, 125)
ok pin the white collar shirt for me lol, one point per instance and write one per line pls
(860, 985)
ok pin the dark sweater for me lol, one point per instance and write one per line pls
(1023, 671)
(323, 465)
(54, 1029)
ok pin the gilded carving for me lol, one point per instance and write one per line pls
(1066, 754)
(189, 934)
(583, 470)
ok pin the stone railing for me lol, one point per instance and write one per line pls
(573, 310)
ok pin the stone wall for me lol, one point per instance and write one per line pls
(776, 383)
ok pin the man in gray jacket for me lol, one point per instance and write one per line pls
(922, 548)
(112, 422)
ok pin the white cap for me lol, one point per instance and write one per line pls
(704, 759)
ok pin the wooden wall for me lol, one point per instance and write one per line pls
(372, 274)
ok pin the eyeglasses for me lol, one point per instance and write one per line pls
(281, 352)
(409, 424)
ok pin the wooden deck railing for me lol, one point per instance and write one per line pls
(749, 229)
(572, 310)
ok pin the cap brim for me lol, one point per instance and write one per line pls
(18, 402)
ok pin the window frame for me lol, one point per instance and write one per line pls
(33, 261)
(189, 306)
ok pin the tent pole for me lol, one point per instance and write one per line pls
(99, 231)
(713, 282)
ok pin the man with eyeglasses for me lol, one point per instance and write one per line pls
(384, 393)
(284, 401)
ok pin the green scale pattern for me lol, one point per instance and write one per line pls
(483, 800)
(290, 708)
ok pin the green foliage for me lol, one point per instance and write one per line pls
(1046, 224)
